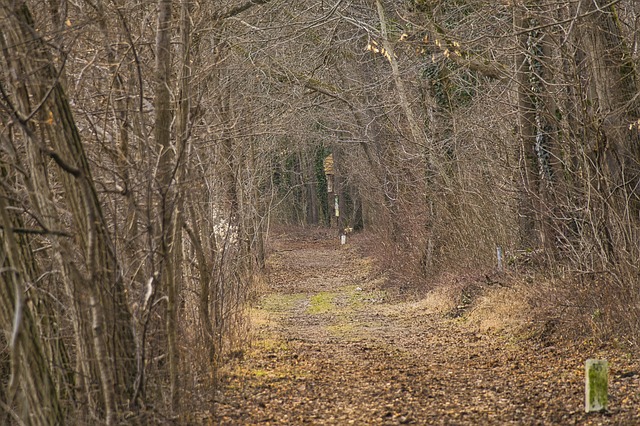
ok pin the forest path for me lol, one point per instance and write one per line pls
(330, 348)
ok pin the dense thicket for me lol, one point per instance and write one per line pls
(147, 147)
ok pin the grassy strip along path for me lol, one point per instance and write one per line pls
(331, 348)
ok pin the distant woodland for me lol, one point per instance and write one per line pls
(148, 148)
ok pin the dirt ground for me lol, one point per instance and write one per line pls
(331, 346)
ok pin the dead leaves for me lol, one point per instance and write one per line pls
(401, 366)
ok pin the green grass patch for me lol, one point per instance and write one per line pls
(281, 302)
(322, 303)
(348, 299)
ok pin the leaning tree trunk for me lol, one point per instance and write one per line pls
(103, 324)
(31, 396)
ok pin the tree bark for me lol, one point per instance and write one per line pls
(30, 387)
(613, 148)
(167, 175)
(98, 276)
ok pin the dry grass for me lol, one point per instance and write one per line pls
(441, 300)
(502, 309)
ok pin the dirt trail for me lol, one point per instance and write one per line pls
(330, 348)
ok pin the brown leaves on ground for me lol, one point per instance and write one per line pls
(329, 348)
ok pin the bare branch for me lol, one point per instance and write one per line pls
(233, 11)
(30, 231)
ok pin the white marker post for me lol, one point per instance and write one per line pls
(596, 377)
(499, 256)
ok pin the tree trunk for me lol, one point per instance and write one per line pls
(31, 389)
(529, 176)
(99, 276)
(613, 148)
(167, 176)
